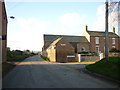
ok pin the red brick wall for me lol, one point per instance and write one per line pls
(3, 31)
(83, 44)
(102, 44)
(64, 51)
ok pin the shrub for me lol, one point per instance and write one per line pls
(17, 55)
(114, 50)
(89, 53)
(45, 58)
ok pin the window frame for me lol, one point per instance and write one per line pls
(113, 40)
(97, 40)
(98, 49)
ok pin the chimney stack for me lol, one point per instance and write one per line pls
(86, 28)
(113, 29)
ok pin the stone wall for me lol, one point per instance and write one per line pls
(51, 54)
(89, 58)
(114, 54)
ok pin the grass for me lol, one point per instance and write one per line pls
(108, 68)
(6, 67)
(18, 57)
(45, 58)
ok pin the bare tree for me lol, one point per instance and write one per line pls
(114, 14)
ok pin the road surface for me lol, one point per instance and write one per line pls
(34, 72)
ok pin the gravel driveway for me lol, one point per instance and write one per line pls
(34, 72)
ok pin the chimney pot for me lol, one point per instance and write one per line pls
(113, 29)
(86, 28)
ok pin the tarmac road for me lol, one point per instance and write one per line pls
(34, 72)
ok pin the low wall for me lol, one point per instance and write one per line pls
(90, 58)
(87, 58)
(114, 54)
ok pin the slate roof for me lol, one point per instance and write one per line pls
(101, 33)
(69, 38)
(56, 41)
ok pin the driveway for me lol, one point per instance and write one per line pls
(34, 72)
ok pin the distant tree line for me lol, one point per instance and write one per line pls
(13, 55)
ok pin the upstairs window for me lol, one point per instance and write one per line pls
(113, 40)
(97, 40)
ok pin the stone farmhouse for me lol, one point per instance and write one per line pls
(65, 48)
(3, 31)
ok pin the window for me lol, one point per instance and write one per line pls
(97, 49)
(0, 37)
(104, 49)
(113, 46)
(63, 44)
(113, 40)
(97, 40)
(4, 37)
(82, 49)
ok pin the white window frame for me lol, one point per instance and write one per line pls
(70, 56)
(0, 37)
(97, 40)
(113, 47)
(63, 44)
(113, 40)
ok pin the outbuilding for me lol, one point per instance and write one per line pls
(60, 50)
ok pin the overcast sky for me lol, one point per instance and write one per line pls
(33, 19)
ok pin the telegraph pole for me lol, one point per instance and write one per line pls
(106, 31)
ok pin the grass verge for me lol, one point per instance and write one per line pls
(108, 68)
(45, 58)
(18, 57)
(6, 67)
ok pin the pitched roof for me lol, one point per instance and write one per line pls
(101, 33)
(56, 41)
(69, 38)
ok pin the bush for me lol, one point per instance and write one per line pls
(114, 50)
(89, 53)
(17, 55)
(45, 58)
